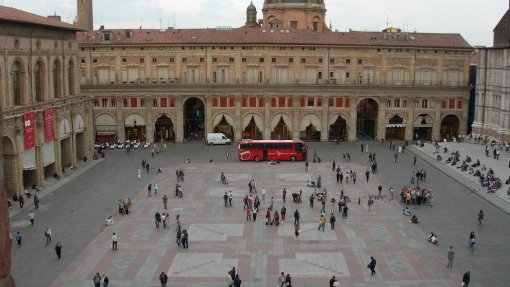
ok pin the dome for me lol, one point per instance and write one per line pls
(251, 8)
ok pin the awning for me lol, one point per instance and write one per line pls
(257, 118)
(310, 120)
(424, 121)
(286, 119)
(218, 117)
(129, 122)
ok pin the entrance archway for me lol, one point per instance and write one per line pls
(10, 166)
(338, 129)
(252, 126)
(134, 125)
(224, 125)
(396, 128)
(367, 112)
(164, 129)
(106, 129)
(310, 128)
(450, 127)
(282, 129)
(194, 122)
(423, 125)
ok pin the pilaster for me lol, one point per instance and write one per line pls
(237, 117)
(208, 115)
(353, 132)
(325, 118)
(295, 117)
(381, 116)
(267, 117)
(179, 127)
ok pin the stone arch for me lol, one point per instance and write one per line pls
(281, 126)
(218, 117)
(40, 83)
(367, 110)
(135, 127)
(252, 126)
(422, 127)
(450, 125)
(338, 127)
(9, 165)
(310, 127)
(392, 117)
(395, 127)
(156, 117)
(224, 123)
(164, 127)
(105, 126)
(194, 109)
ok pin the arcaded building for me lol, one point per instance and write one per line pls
(286, 76)
(46, 123)
(493, 85)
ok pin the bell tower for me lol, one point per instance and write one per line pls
(85, 14)
(295, 14)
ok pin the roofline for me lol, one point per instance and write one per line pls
(56, 26)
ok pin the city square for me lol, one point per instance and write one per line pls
(221, 238)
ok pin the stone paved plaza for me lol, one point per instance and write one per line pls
(221, 238)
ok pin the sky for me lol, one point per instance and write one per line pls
(473, 19)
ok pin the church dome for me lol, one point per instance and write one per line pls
(251, 8)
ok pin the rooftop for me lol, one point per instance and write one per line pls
(8, 14)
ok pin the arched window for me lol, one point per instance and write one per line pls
(57, 90)
(16, 83)
(39, 81)
(71, 77)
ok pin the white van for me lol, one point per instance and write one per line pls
(217, 138)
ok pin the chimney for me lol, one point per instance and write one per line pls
(55, 17)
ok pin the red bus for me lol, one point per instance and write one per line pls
(271, 150)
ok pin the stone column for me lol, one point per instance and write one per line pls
(381, 116)
(464, 117)
(325, 119)
(436, 128)
(5, 244)
(237, 118)
(410, 119)
(353, 119)
(267, 118)
(39, 142)
(121, 130)
(296, 101)
(179, 126)
(149, 125)
(208, 115)
(58, 145)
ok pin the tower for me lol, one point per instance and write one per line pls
(295, 14)
(251, 15)
(85, 14)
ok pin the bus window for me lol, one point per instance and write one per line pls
(299, 147)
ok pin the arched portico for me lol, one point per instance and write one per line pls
(281, 125)
(338, 128)
(367, 117)
(395, 127)
(423, 125)
(224, 123)
(194, 118)
(310, 128)
(164, 128)
(450, 127)
(252, 125)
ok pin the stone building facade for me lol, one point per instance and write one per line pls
(493, 85)
(268, 82)
(46, 122)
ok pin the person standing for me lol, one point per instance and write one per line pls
(480, 217)
(156, 189)
(230, 197)
(281, 280)
(58, 249)
(47, 234)
(370, 202)
(237, 281)
(338, 177)
(371, 265)
(149, 188)
(248, 214)
(311, 200)
(322, 223)
(283, 213)
(157, 219)
(36, 202)
(466, 279)
(105, 280)
(297, 230)
(147, 166)
(19, 238)
(414, 160)
(451, 254)
(97, 280)
(472, 241)
(21, 201)
(179, 235)
(165, 201)
(115, 240)
(185, 239)
(296, 217)
(306, 165)
(163, 278)
(332, 221)
(284, 192)
(367, 174)
(31, 216)
(354, 176)
(395, 157)
(254, 213)
(288, 280)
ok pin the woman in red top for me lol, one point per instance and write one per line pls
(268, 217)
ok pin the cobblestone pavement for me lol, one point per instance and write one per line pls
(221, 238)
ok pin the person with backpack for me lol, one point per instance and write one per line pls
(163, 278)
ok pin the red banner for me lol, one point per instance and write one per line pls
(29, 130)
(49, 126)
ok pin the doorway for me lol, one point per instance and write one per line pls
(367, 113)
(194, 119)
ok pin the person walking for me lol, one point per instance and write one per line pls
(165, 201)
(296, 217)
(97, 280)
(115, 240)
(184, 239)
(367, 174)
(371, 265)
(283, 213)
(395, 157)
(480, 217)
(284, 193)
(306, 165)
(288, 280)
(332, 221)
(312, 198)
(147, 166)
(149, 188)
(105, 280)
(138, 173)
(19, 238)
(31, 216)
(281, 280)
(36, 202)
(230, 197)
(58, 249)
(237, 281)
(466, 278)
(157, 219)
(179, 235)
(322, 223)
(248, 214)
(156, 189)
(297, 230)
(254, 213)
(21, 201)
(451, 254)
(163, 279)
(370, 202)
(47, 234)
(472, 241)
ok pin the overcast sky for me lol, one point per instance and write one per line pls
(474, 19)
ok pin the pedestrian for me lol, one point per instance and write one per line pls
(237, 281)
(322, 223)
(254, 213)
(178, 221)
(156, 189)
(332, 221)
(371, 265)
(97, 280)
(367, 174)
(296, 217)
(21, 201)
(149, 188)
(230, 196)
(230, 282)
(105, 280)
(18, 239)
(451, 254)
(283, 213)
(58, 249)
(281, 280)
(248, 214)
(184, 239)
(288, 280)
(157, 219)
(138, 173)
(268, 217)
(472, 241)
(163, 278)
(227, 155)
(163, 219)
(179, 235)
(370, 202)
(395, 157)
(165, 201)
(115, 240)
(466, 278)
(338, 177)
(284, 192)
(480, 217)
(311, 200)
(147, 166)
(36, 202)
(31, 216)
(306, 165)
(331, 281)
(225, 199)
(47, 234)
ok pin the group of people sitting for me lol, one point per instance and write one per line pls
(407, 212)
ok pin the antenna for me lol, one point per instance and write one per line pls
(388, 21)
(160, 24)
(141, 23)
(173, 20)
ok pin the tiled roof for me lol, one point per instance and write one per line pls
(257, 35)
(15, 15)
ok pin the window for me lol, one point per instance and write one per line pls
(303, 61)
(294, 24)
(155, 103)
(459, 104)
(404, 103)
(82, 60)
(113, 102)
(397, 103)
(124, 60)
(388, 103)
(70, 77)
(331, 61)
(451, 104)
(184, 60)
(261, 60)
(273, 60)
(347, 75)
(311, 102)
(57, 71)
(320, 60)
(214, 77)
(16, 83)
(104, 103)
(347, 61)
(172, 60)
(360, 61)
(106, 37)
(142, 60)
(215, 60)
(39, 81)
(291, 60)
(424, 104)
(243, 60)
(154, 60)
(94, 61)
(319, 75)
(231, 60)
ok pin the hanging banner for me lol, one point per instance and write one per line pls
(49, 125)
(29, 130)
